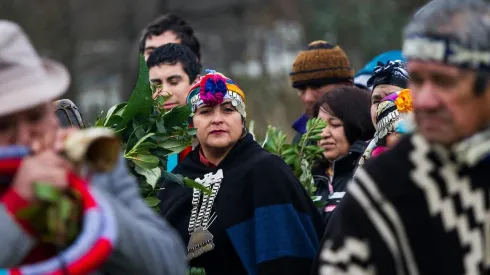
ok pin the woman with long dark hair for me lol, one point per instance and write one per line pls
(349, 128)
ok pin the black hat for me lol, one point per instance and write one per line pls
(393, 73)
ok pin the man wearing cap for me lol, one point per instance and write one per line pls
(141, 242)
(317, 70)
(424, 206)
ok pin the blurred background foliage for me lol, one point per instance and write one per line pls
(252, 41)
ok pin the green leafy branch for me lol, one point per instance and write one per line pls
(56, 217)
(150, 134)
(300, 156)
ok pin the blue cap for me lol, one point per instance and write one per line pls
(384, 57)
(365, 73)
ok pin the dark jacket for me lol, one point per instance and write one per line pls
(343, 170)
(259, 206)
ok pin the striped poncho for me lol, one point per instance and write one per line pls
(416, 209)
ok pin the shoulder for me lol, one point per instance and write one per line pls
(266, 163)
(117, 180)
(392, 167)
(389, 176)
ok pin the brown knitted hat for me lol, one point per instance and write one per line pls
(321, 64)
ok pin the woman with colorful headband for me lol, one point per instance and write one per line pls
(393, 119)
(257, 219)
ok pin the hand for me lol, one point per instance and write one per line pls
(46, 167)
(52, 140)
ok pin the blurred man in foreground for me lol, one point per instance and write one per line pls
(423, 207)
(142, 244)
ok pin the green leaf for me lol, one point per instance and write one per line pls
(311, 149)
(290, 152)
(52, 219)
(175, 146)
(251, 128)
(114, 122)
(196, 271)
(145, 147)
(140, 103)
(318, 203)
(161, 153)
(140, 141)
(191, 131)
(290, 159)
(145, 188)
(194, 184)
(308, 124)
(177, 116)
(161, 127)
(145, 160)
(152, 201)
(65, 206)
(151, 175)
(114, 111)
(315, 138)
(46, 192)
(179, 179)
(29, 212)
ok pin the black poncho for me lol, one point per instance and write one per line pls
(416, 209)
(266, 222)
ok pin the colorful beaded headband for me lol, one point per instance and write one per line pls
(212, 89)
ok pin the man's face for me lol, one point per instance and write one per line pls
(380, 92)
(173, 81)
(38, 124)
(445, 107)
(312, 94)
(156, 41)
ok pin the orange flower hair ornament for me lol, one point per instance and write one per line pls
(404, 101)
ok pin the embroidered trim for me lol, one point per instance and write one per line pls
(446, 50)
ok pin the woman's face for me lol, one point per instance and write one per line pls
(218, 127)
(380, 92)
(333, 137)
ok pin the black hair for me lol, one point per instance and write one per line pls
(352, 106)
(171, 22)
(171, 54)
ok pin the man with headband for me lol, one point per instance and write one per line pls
(423, 207)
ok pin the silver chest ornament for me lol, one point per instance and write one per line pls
(201, 240)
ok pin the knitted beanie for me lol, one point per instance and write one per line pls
(321, 64)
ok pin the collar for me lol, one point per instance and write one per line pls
(204, 160)
(470, 151)
(349, 162)
(474, 149)
(300, 124)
